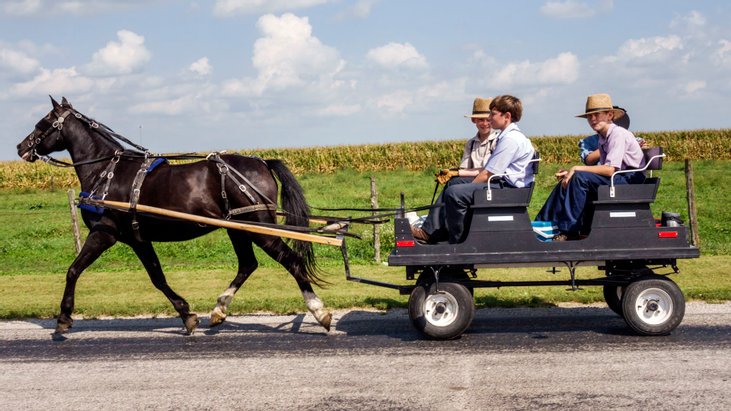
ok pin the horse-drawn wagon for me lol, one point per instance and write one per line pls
(138, 198)
(626, 242)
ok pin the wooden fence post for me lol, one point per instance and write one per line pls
(376, 227)
(690, 194)
(74, 220)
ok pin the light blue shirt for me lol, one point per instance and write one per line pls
(512, 156)
(620, 149)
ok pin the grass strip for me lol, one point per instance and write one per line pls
(272, 290)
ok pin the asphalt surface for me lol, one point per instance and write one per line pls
(547, 358)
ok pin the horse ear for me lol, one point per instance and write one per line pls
(65, 102)
(54, 103)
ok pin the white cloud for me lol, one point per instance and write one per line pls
(228, 8)
(201, 67)
(17, 62)
(289, 55)
(396, 102)
(75, 7)
(21, 7)
(722, 55)
(168, 107)
(360, 10)
(692, 19)
(574, 9)
(58, 81)
(339, 110)
(563, 69)
(693, 86)
(398, 55)
(120, 57)
(650, 48)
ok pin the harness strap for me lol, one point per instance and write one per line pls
(229, 172)
(251, 209)
(134, 196)
(106, 176)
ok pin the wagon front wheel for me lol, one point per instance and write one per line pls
(653, 306)
(442, 313)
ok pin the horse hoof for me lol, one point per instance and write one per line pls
(190, 324)
(62, 327)
(217, 318)
(325, 321)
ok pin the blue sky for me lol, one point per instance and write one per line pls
(180, 76)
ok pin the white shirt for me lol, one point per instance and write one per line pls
(511, 156)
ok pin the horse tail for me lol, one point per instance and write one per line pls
(297, 214)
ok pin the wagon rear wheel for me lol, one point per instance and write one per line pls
(653, 305)
(444, 313)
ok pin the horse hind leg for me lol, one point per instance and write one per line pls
(284, 255)
(147, 255)
(247, 264)
(315, 305)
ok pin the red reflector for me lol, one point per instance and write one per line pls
(667, 234)
(405, 243)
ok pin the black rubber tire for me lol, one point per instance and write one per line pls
(653, 305)
(456, 303)
(613, 296)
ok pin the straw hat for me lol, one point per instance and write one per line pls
(597, 103)
(480, 108)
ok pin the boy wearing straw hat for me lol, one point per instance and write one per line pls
(477, 150)
(618, 150)
(513, 152)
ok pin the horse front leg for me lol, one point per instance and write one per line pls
(247, 264)
(96, 243)
(146, 253)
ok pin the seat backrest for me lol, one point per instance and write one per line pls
(534, 165)
(502, 197)
(651, 152)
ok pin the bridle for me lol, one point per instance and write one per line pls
(47, 128)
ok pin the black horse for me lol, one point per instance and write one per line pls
(215, 187)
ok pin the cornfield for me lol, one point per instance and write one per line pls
(414, 156)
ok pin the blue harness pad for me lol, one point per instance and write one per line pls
(156, 163)
(88, 207)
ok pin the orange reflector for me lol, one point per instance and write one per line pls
(667, 234)
(405, 243)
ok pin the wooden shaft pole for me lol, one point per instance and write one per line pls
(277, 232)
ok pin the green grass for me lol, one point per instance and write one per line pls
(36, 248)
(102, 293)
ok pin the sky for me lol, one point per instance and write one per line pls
(182, 76)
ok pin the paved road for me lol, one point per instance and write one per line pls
(555, 358)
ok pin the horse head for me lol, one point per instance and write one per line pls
(46, 137)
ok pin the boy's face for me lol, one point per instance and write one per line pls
(499, 120)
(600, 121)
(483, 125)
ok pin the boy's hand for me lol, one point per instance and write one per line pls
(443, 176)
